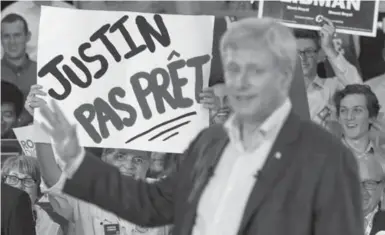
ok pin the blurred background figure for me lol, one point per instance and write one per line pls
(16, 212)
(373, 185)
(12, 103)
(16, 66)
(31, 11)
(311, 46)
(23, 172)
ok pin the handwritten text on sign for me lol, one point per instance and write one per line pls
(130, 80)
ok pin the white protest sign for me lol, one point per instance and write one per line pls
(128, 80)
(26, 136)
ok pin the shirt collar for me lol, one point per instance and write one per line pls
(25, 65)
(369, 149)
(272, 123)
(317, 83)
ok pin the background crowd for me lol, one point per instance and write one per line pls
(345, 95)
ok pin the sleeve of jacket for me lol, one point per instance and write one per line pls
(21, 221)
(338, 207)
(137, 201)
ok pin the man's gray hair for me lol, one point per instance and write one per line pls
(255, 33)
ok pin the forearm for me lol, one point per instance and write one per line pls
(345, 72)
(49, 168)
(136, 201)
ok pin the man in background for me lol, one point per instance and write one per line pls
(320, 91)
(16, 66)
(12, 102)
(373, 185)
(31, 11)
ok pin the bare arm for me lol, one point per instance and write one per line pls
(50, 170)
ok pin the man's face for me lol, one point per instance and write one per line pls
(372, 187)
(222, 114)
(308, 53)
(130, 162)
(32, 190)
(8, 118)
(354, 116)
(253, 83)
(14, 39)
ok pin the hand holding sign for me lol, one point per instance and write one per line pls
(33, 101)
(327, 34)
(209, 99)
(63, 134)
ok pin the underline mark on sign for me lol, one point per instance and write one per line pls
(172, 135)
(168, 130)
(162, 124)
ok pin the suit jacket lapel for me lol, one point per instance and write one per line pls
(280, 156)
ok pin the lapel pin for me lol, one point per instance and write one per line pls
(278, 155)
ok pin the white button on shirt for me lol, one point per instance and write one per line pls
(223, 201)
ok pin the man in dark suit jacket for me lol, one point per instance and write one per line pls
(16, 212)
(378, 223)
(283, 174)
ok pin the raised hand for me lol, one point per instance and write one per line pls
(33, 101)
(61, 131)
(327, 34)
(209, 99)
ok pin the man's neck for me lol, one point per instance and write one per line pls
(309, 79)
(359, 145)
(17, 62)
(248, 126)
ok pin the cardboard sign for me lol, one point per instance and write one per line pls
(349, 16)
(128, 80)
(26, 136)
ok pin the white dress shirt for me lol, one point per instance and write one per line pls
(321, 91)
(31, 13)
(222, 204)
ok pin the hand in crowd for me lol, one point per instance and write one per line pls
(61, 131)
(33, 101)
(209, 99)
(327, 35)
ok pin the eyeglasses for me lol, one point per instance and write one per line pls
(371, 184)
(14, 180)
(308, 53)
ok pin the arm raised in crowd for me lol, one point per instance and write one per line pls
(346, 73)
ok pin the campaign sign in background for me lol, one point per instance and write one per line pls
(128, 80)
(349, 16)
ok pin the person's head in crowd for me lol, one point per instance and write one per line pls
(222, 114)
(357, 108)
(308, 43)
(14, 37)
(23, 172)
(133, 163)
(372, 183)
(163, 164)
(12, 102)
(259, 58)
